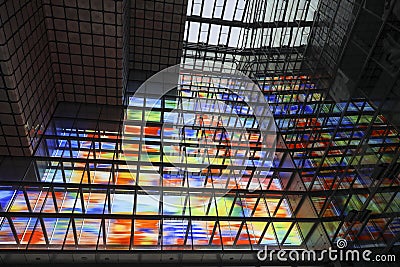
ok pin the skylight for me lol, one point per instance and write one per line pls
(249, 24)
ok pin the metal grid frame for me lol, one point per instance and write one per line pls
(347, 178)
(291, 164)
(117, 168)
(339, 147)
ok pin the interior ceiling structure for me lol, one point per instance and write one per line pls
(249, 24)
(334, 173)
(229, 30)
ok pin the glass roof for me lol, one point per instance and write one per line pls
(249, 24)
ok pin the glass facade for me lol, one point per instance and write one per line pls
(96, 182)
(88, 197)
(347, 157)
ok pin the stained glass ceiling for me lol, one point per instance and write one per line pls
(88, 199)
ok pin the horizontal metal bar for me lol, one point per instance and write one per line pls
(251, 25)
(211, 166)
(184, 217)
(233, 191)
(245, 51)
